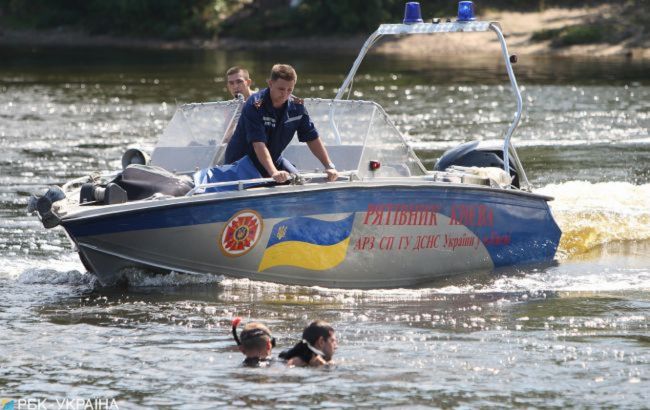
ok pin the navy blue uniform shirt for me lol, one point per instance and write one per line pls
(260, 122)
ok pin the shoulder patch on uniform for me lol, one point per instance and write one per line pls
(297, 100)
(258, 103)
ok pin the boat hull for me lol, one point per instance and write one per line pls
(347, 236)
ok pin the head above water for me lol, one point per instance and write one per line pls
(281, 83)
(238, 81)
(316, 347)
(255, 340)
(321, 335)
(316, 330)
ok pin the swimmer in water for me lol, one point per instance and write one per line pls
(316, 348)
(255, 342)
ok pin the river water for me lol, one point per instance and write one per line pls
(574, 334)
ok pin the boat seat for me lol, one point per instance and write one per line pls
(143, 181)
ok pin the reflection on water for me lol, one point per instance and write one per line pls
(574, 333)
(455, 345)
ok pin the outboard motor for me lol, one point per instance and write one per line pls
(476, 154)
(43, 205)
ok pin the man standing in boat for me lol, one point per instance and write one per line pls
(268, 122)
(238, 82)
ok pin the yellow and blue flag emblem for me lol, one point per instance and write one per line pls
(308, 243)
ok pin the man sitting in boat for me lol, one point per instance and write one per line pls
(268, 122)
(316, 348)
(255, 342)
(238, 82)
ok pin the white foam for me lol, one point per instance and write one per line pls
(594, 214)
(14, 268)
(55, 277)
(138, 278)
(583, 277)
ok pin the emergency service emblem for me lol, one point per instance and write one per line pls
(241, 233)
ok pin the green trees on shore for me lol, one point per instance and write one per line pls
(167, 19)
(252, 19)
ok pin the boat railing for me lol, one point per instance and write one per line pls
(450, 27)
(296, 179)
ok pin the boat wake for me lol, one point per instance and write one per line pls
(48, 276)
(570, 277)
(65, 270)
(595, 215)
(140, 279)
(512, 286)
(68, 271)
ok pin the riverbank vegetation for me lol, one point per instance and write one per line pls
(627, 20)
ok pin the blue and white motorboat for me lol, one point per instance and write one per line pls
(387, 222)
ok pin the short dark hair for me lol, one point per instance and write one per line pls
(283, 71)
(236, 69)
(316, 329)
(311, 334)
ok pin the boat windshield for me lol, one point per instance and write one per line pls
(193, 138)
(354, 132)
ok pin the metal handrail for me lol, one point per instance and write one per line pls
(523, 180)
(455, 27)
(295, 178)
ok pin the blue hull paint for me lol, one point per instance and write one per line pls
(514, 228)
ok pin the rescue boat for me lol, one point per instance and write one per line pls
(386, 222)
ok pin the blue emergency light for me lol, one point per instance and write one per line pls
(466, 11)
(412, 13)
